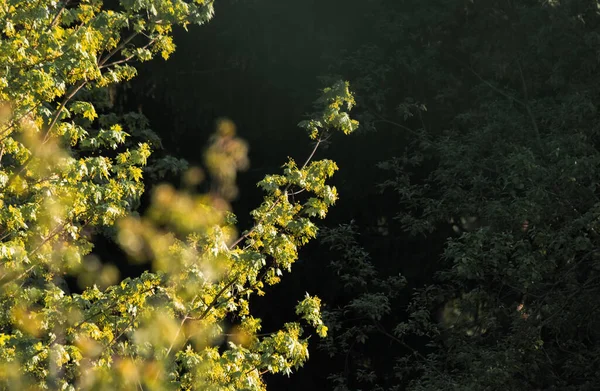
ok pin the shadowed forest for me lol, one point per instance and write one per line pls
(463, 252)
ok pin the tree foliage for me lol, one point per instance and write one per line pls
(507, 156)
(70, 167)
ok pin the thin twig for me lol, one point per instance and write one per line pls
(64, 102)
(185, 318)
(14, 121)
(498, 90)
(104, 310)
(117, 336)
(60, 11)
(381, 119)
(118, 48)
(407, 346)
(213, 303)
(127, 59)
(312, 154)
(528, 106)
(524, 103)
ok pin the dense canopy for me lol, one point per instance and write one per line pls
(151, 210)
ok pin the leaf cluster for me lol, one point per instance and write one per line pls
(71, 166)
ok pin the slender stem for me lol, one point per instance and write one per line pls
(185, 318)
(120, 334)
(214, 300)
(498, 90)
(407, 346)
(57, 230)
(347, 361)
(64, 102)
(312, 154)
(117, 62)
(381, 119)
(528, 106)
(524, 103)
(244, 236)
(14, 121)
(104, 65)
(60, 11)
(118, 48)
(106, 309)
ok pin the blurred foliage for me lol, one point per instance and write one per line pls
(70, 167)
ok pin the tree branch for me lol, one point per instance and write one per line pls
(524, 103)
(116, 49)
(528, 106)
(312, 154)
(381, 119)
(64, 102)
(117, 62)
(407, 346)
(60, 11)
